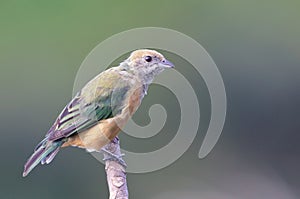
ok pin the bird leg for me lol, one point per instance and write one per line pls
(109, 152)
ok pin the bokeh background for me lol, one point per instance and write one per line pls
(256, 47)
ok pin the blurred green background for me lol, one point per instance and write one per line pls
(256, 46)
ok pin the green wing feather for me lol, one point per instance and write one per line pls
(102, 98)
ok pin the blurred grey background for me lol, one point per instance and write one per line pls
(256, 47)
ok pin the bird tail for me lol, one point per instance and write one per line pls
(43, 153)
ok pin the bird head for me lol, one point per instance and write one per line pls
(147, 63)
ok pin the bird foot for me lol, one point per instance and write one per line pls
(113, 157)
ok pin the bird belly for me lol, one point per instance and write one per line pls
(94, 138)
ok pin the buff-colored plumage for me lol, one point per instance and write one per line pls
(99, 111)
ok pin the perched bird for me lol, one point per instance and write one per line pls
(101, 108)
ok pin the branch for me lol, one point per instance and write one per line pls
(115, 170)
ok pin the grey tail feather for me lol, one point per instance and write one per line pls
(44, 153)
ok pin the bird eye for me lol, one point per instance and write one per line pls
(148, 58)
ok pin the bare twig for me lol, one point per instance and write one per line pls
(115, 170)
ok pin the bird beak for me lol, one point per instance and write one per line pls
(167, 64)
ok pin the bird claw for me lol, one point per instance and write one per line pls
(113, 157)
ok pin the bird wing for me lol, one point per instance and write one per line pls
(102, 98)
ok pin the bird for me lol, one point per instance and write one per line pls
(99, 111)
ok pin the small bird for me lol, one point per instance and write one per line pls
(101, 108)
